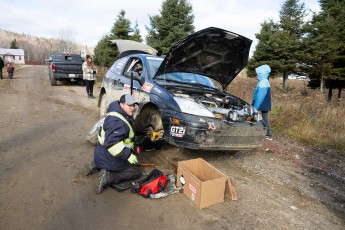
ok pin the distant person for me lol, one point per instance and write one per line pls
(2, 64)
(262, 100)
(114, 154)
(10, 70)
(89, 75)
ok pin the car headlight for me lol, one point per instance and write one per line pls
(191, 107)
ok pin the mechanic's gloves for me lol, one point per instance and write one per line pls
(133, 159)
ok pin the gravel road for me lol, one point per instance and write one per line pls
(283, 185)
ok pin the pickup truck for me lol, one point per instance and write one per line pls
(65, 66)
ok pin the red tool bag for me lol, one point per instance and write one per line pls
(154, 183)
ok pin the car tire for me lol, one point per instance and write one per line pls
(53, 81)
(103, 108)
(92, 135)
(149, 118)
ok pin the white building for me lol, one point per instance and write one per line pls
(15, 56)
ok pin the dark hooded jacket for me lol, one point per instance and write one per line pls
(262, 93)
(116, 131)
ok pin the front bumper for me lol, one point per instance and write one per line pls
(192, 132)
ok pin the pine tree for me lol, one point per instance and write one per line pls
(13, 44)
(136, 33)
(121, 28)
(174, 23)
(105, 51)
(281, 43)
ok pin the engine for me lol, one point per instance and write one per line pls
(224, 106)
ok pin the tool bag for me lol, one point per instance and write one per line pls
(154, 183)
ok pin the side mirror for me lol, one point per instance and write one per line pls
(134, 75)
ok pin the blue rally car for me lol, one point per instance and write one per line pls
(181, 95)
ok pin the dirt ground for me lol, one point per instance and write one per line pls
(283, 185)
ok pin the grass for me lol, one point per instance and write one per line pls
(302, 114)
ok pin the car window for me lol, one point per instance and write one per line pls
(153, 64)
(70, 57)
(76, 57)
(134, 64)
(188, 78)
(118, 66)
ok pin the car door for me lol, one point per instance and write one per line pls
(116, 83)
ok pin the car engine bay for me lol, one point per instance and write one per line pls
(224, 106)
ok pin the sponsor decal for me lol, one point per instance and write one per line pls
(127, 89)
(147, 87)
(177, 131)
(191, 187)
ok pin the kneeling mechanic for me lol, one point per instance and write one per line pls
(113, 155)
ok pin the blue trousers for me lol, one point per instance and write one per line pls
(266, 123)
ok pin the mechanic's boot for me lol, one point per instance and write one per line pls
(90, 169)
(102, 181)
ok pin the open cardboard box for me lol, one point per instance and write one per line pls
(202, 183)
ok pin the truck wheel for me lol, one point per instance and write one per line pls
(53, 81)
(103, 108)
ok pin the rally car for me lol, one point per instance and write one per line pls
(181, 95)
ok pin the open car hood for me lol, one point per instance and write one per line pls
(214, 52)
(127, 47)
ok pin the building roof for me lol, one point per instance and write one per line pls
(15, 52)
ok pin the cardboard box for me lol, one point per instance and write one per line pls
(201, 182)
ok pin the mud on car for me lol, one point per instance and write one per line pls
(181, 95)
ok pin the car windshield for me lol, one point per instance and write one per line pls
(188, 78)
(153, 65)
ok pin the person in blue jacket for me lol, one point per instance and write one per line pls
(113, 155)
(262, 100)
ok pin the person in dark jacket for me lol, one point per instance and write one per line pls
(2, 64)
(262, 96)
(10, 70)
(113, 155)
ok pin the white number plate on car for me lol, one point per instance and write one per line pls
(71, 75)
(177, 131)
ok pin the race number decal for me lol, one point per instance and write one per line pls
(147, 87)
(177, 131)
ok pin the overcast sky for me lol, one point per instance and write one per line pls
(88, 21)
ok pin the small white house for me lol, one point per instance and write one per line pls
(15, 56)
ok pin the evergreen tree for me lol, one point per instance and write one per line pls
(105, 51)
(327, 41)
(121, 28)
(281, 43)
(174, 23)
(136, 33)
(13, 44)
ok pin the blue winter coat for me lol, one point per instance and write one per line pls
(116, 131)
(262, 94)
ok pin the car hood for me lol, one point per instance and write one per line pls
(214, 52)
(127, 47)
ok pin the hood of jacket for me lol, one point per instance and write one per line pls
(263, 72)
